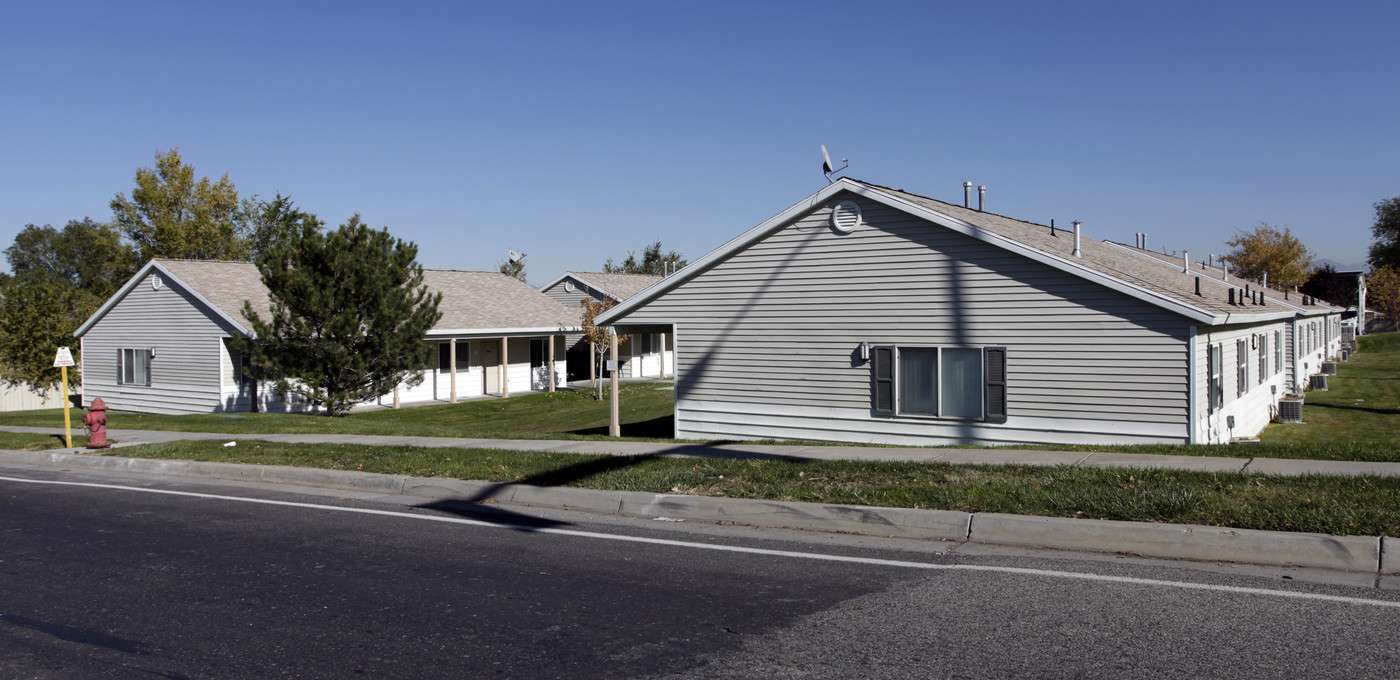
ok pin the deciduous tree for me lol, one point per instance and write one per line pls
(1383, 291)
(349, 314)
(38, 314)
(172, 215)
(598, 337)
(88, 254)
(1266, 249)
(513, 267)
(653, 262)
(1385, 234)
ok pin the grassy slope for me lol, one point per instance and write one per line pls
(646, 414)
(1360, 409)
(1343, 506)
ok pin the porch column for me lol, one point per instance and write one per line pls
(550, 369)
(614, 424)
(501, 378)
(663, 356)
(452, 366)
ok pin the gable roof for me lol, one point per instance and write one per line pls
(1136, 274)
(473, 303)
(616, 286)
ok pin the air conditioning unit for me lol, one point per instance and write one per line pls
(1318, 382)
(1346, 354)
(1329, 367)
(1290, 410)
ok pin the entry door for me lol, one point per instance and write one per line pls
(490, 368)
(539, 372)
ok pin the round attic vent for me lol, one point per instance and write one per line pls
(845, 217)
(156, 283)
(569, 286)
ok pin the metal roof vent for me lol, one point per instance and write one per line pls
(845, 217)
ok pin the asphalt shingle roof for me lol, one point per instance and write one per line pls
(1158, 273)
(620, 286)
(471, 300)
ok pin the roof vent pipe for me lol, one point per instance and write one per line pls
(1232, 296)
(981, 198)
(1198, 286)
(1052, 226)
(967, 194)
(1144, 240)
(1210, 259)
(1076, 238)
(1185, 262)
(1265, 282)
(1225, 271)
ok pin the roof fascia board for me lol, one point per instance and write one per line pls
(501, 332)
(719, 254)
(135, 280)
(1064, 265)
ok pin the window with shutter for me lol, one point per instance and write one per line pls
(1241, 367)
(996, 384)
(1216, 381)
(882, 380)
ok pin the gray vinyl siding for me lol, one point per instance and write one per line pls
(776, 325)
(187, 337)
(573, 342)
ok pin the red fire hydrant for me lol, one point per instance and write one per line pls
(96, 422)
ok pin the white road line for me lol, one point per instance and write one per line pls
(1186, 585)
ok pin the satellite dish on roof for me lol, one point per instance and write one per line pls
(516, 257)
(828, 169)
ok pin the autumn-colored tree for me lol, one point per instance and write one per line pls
(598, 337)
(513, 267)
(1267, 250)
(1383, 291)
(171, 215)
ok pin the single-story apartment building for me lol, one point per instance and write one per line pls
(867, 314)
(161, 344)
(642, 355)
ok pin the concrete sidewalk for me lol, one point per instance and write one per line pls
(1262, 466)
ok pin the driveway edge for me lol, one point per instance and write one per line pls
(1367, 554)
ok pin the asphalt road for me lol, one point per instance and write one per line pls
(100, 582)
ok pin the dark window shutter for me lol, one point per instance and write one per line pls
(119, 367)
(995, 360)
(882, 380)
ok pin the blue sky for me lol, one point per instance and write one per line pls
(578, 131)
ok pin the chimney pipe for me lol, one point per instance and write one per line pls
(1265, 282)
(967, 194)
(1076, 239)
(1144, 240)
(981, 197)
(1225, 269)
(1185, 262)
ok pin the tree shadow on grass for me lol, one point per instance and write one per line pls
(1348, 407)
(663, 427)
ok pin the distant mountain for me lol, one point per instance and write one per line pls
(1359, 266)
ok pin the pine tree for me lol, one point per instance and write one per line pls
(349, 314)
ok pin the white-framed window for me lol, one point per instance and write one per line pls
(944, 382)
(1216, 381)
(965, 383)
(1241, 367)
(134, 367)
(1263, 357)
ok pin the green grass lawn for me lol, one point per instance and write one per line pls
(19, 441)
(1360, 409)
(1335, 505)
(646, 414)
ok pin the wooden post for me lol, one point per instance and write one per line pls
(67, 424)
(592, 366)
(614, 425)
(663, 356)
(452, 366)
(505, 382)
(550, 368)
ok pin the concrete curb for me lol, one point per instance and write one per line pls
(1369, 554)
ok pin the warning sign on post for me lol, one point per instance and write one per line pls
(64, 358)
